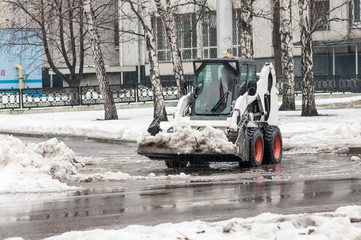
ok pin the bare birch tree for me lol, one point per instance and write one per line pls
(144, 16)
(307, 28)
(59, 24)
(165, 11)
(58, 21)
(308, 84)
(288, 96)
(200, 9)
(109, 105)
(276, 37)
(246, 28)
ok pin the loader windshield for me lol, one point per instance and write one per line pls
(214, 90)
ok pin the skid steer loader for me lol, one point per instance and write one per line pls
(227, 94)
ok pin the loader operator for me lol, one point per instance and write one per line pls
(220, 91)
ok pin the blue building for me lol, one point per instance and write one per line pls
(23, 48)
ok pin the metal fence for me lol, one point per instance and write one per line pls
(90, 95)
(84, 95)
(329, 84)
(10, 99)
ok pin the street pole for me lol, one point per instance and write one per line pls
(121, 46)
(21, 83)
(224, 27)
(139, 47)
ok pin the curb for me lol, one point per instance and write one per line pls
(38, 135)
(81, 108)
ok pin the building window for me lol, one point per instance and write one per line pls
(356, 15)
(210, 35)
(116, 34)
(116, 31)
(186, 32)
(185, 25)
(236, 42)
(320, 14)
(161, 40)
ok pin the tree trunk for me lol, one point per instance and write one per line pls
(199, 30)
(276, 37)
(308, 85)
(246, 29)
(109, 106)
(145, 19)
(288, 78)
(167, 16)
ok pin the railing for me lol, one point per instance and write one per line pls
(329, 84)
(50, 97)
(84, 95)
(9, 99)
(90, 95)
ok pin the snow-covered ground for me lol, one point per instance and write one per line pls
(131, 123)
(333, 131)
(333, 127)
(344, 223)
(50, 165)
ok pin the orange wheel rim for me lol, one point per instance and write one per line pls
(277, 146)
(258, 149)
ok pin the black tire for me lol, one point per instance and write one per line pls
(272, 145)
(198, 164)
(256, 147)
(176, 163)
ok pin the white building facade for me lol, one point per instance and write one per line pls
(336, 43)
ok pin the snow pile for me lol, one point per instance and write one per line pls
(344, 223)
(336, 139)
(36, 167)
(48, 166)
(188, 140)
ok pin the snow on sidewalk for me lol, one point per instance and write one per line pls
(344, 223)
(81, 124)
(333, 131)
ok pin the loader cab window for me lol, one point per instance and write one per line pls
(252, 73)
(243, 79)
(248, 73)
(215, 85)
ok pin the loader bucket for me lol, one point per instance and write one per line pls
(159, 153)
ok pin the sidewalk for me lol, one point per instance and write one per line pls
(85, 124)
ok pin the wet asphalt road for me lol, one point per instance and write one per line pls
(301, 183)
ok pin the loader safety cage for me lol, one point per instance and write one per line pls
(217, 83)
